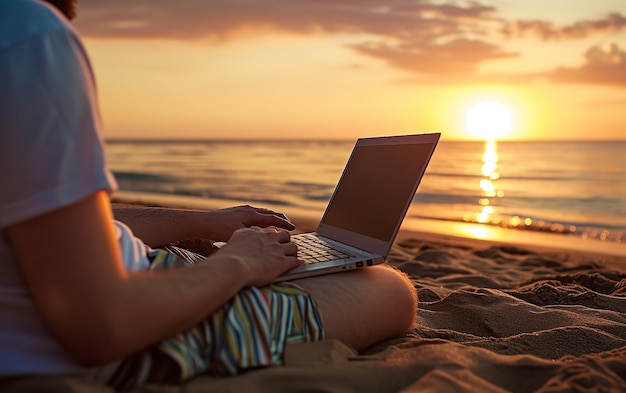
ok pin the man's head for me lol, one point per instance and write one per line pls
(67, 7)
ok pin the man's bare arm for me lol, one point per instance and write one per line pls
(161, 226)
(100, 312)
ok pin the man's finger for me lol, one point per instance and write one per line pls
(291, 249)
(283, 236)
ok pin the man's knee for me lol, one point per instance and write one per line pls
(364, 306)
(400, 295)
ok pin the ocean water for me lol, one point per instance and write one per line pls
(576, 189)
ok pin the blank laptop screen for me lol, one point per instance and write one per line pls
(375, 188)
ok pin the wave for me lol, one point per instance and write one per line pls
(309, 185)
(122, 176)
(521, 178)
(584, 230)
(604, 205)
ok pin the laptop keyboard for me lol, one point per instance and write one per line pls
(312, 249)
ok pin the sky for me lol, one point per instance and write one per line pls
(341, 69)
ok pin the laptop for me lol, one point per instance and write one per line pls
(367, 207)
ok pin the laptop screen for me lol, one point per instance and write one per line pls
(376, 187)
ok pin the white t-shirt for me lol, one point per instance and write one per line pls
(51, 155)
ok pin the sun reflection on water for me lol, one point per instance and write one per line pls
(488, 186)
(490, 209)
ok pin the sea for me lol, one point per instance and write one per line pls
(569, 194)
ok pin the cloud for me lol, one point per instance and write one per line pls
(545, 30)
(420, 36)
(428, 38)
(221, 18)
(602, 66)
(459, 57)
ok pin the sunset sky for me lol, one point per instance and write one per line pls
(349, 68)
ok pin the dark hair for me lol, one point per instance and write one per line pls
(67, 7)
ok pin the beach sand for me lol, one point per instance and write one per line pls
(492, 317)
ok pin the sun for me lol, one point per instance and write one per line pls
(489, 120)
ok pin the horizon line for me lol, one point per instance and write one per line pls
(271, 139)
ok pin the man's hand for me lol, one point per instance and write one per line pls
(263, 253)
(221, 224)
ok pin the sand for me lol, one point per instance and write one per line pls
(493, 317)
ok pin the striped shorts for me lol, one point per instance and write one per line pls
(250, 331)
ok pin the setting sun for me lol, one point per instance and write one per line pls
(489, 120)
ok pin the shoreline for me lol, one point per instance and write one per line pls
(462, 233)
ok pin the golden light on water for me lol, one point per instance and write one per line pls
(487, 186)
(487, 183)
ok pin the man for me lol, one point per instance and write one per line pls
(80, 293)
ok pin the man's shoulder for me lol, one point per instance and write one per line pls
(20, 19)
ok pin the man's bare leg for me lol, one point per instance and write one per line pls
(363, 307)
